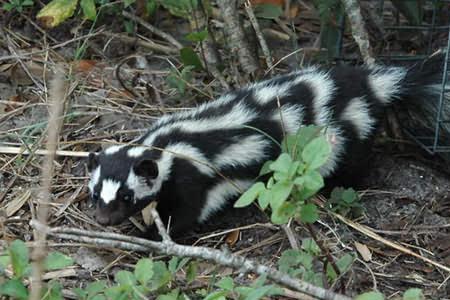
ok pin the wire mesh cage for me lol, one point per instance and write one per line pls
(436, 36)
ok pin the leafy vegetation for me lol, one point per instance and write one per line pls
(18, 258)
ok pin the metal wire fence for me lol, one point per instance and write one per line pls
(430, 139)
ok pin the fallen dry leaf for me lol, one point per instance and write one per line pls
(13, 206)
(146, 215)
(364, 251)
(232, 238)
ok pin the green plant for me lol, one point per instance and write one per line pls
(179, 80)
(18, 5)
(345, 201)
(294, 178)
(18, 258)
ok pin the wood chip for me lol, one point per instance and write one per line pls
(364, 251)
(13, 206)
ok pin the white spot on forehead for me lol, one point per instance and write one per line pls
(138, 185)
(113, 149)
(136, 151)
(95, 176)
(109, 190)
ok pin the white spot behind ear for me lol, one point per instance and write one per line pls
(95, 177)
(113, 149)
(138, 185)
(109, 190)
(136, 151)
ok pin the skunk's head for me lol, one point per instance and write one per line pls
(123, 180)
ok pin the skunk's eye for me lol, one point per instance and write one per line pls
(127, 198)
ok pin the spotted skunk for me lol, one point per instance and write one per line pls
(191, 162)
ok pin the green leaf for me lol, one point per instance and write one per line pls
(294, 144)
(280, 192)
(95, 288)
(413, 294)
(18, 252)
(53, 292)
(191, 272)
(310, 246)
(312, 180)
(180, 8)
(14, 288)
(370, 296)
(56, 12)
(226, 283)
(173, 295)
(264, 198)
(283, 213)
(125, 278)
(197, 36)
(268, 11)
(412, 10)
(144, 271)
(308, 213)
(258, 293)
(282, 163)
(150, 7)
(349, 195)
(217, 295)
(161, 276)
(57, 260)
(250, 195)
(266, 168)
(89, 10)
(5, 260)
(343, 265)
(8, 6)
(316, 153)
(190, 58)
(127, 3)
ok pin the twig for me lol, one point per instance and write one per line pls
(237, 40)
(149, 44)
(57, 95)
(358, 30)
(259, 35)
(153, 29)
(20, 150)
(168, 247)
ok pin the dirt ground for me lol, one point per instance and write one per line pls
(406, 195)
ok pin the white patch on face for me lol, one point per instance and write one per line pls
(95, 177)
(109, 190)
(138, 185)
(113, 149)
(246, 151)
(219, 194)
(385, 83)
(291, 116)
(136, 151)
(270, 92)
(357, 112)
(239, 115)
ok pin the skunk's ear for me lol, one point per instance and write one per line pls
(146, 168)
(92, 161)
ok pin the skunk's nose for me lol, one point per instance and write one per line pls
(102, 219)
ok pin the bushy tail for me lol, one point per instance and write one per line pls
(426, 104)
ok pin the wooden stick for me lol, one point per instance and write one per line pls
(21, 150)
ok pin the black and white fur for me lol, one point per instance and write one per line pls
(192, 162)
